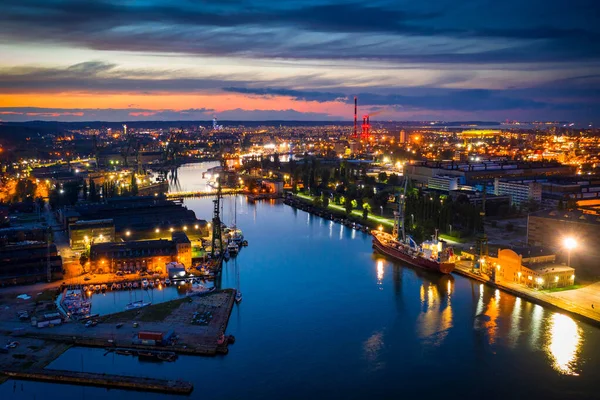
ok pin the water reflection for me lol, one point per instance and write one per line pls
(435, 318)
(372, 349)
(379, 272)
(515, 322)
(563, 343)
(537, 316)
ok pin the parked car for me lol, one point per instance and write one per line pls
(90, 324)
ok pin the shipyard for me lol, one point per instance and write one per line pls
(172, 262)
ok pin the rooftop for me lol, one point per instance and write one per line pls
(570, 215)
(546, 268)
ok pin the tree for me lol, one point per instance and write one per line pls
(393, 180)
(325, 201)
(134, 185)
(24, 191)
(93, 196)
(83, 259)
(348, 206)
(382, 176)
(365, 213)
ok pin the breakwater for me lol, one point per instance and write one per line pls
(103, 380)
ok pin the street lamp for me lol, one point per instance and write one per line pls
(569, 244)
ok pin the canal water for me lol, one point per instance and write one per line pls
(323, 317)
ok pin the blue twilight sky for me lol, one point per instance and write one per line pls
(300, 60)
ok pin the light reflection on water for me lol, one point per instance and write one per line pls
(314, 319)
(435, 318)
(564, 342)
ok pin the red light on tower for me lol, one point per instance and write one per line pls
(355, 134)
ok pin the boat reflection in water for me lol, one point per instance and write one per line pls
(563, 343)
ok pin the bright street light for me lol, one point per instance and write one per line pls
(569, 244)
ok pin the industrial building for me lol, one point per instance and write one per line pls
(519, 192)
(471, 173)
(443, 183)
(28, 262)
(534, 267)
(83, 233)
(143, 217)
(141, 255)
(550, 228)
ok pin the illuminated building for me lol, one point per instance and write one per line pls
(519, 192)
(142, 255)
(83, 233)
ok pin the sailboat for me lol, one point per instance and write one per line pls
(236, 234)
(137, 304)
(238, 294)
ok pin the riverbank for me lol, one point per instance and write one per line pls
(579, 308)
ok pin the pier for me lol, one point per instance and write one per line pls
(535, 296)
(103, 380)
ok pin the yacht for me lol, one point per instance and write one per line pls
(232, 248)
(137, 304)
(238, 297)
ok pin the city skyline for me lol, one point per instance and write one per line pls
(301, 60)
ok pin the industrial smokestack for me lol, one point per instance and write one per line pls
(368, 127)
(355, 114)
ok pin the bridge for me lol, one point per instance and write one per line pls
(203, 193)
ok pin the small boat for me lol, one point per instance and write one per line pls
(129, 285)
(157, 282)
(167, 282)
(244, 243)
(149, 355)
(135, 285)
(238, 297)
(151, 284)
(124, 352)
(97, 288)
(232, 248)
(113, 286)
(103, 287)
(167, 356)
(137, 304)
(145, 283)
(85, 288)
(118, 286)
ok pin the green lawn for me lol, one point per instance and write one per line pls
(357, 213)
(562, 289)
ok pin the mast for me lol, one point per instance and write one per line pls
(216, 222)
(399, 216)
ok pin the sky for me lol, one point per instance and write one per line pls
(452, 60)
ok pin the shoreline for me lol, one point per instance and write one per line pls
(556, 304)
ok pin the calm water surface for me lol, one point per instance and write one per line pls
(323, 317)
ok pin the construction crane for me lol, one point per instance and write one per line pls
(216, 222)
(172, 149)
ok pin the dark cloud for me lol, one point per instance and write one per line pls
(20, 114)
(320, 97)
(97, 76)
(101, 114)
(378, 29)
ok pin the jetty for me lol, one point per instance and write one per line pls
(103, 380)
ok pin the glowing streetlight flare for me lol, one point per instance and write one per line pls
(570, 243)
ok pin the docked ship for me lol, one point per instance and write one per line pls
(431, 255)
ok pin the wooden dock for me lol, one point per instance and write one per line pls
(103, 380)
